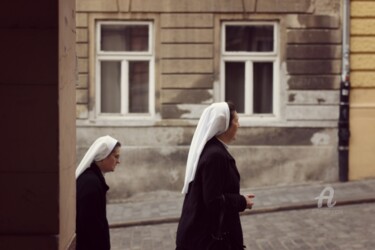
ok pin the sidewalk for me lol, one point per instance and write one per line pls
(164, 207)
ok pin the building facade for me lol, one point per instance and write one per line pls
(362, 94)
(147, 69)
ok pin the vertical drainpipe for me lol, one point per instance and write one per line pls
(343, 125)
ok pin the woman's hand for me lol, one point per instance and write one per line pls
(249, 201)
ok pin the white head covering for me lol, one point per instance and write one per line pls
(99, 150)
(214, 121)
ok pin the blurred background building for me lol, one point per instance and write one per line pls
(148, 68)
(145, 71)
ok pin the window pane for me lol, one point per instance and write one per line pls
(249, 38)
(138, 87)
(235, 84)
(263, 88)
(124, 38)
(110, 82)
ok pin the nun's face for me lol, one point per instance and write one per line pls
(110, 162)
(232, 130)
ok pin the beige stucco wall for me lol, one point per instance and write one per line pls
(362, 96)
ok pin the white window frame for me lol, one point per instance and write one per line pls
(249, 58)
(125, 57)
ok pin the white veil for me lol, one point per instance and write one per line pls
(214, 121)
(99, 150)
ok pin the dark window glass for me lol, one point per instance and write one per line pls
(124, 38)
(235, 84)
(263, 88)
(110, 78)
(240, 38)
(138, 86)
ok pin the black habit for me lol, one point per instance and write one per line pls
(216, 175)
(91, 222)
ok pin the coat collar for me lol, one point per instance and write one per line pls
(94, 168)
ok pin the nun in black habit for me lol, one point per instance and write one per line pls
(212, 184)
(92, 228)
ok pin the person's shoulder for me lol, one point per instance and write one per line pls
(214, 148)
(88, 178)
(214, 145)
(88, 174)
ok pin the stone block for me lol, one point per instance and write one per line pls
(96, 6)
(82, 111)
(187, 51)
(82, 50)
(284, 6)
(187, 20)
(187, 81)
(82, 35)
(250, 5)
(361, 26)
(169, 6)
(362, 9)
(362, 79)
(32, 206)
(308, 112)
(364, 98)
(314, 67)
(328, 7)
(83, 65)
(330, 97)
(187, 66)
(314, 36)
(362, 44)
(195, 96)
(83, 81)
(82, 20)
(362, 62)
(182, 111)
(82, 96)
(313, 52)
(362, 143)
(313, 21)
(124, 5)
(314, 82)
(187, 36)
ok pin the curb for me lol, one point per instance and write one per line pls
(263, 210)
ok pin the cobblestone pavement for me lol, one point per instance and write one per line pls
(165, 206)
(341, 227)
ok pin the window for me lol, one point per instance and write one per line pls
(249, 66)
(125, 65)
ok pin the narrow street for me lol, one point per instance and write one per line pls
(342, 227)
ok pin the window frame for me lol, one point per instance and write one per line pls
(249, 58)
(125, 57)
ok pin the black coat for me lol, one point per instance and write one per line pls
(216, 175)
(91, 222)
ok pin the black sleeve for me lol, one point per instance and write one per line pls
(235, 202)
(214, 173)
